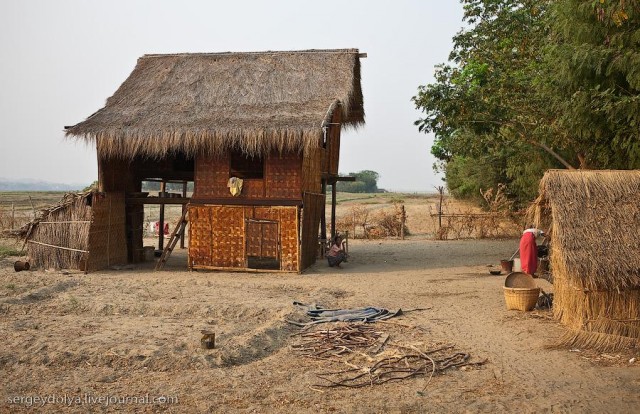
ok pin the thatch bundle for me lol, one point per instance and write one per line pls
(59, 237)
(593, 219)
(209, 103)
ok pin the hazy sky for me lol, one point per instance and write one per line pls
(62, 59)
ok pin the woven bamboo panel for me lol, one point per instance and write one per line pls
(200, 236)
(312, 170)
(107, 234)
(251, 188)
(228, 236)
(311, 212)
(211, 177)
(284, 175)
(289, 240)
(115, 175)
(264, 213)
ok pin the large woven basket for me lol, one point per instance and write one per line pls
(521, 298)
(520, 291)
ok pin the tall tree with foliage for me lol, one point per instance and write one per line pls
(532, 85)
(489, 116)
(596, 79)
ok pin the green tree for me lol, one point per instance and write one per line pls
(486, 109)
(532, 85)
(366, 182)
(595, 56)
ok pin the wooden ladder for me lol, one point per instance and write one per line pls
(173, 240)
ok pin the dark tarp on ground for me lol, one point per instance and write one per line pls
(320, 315)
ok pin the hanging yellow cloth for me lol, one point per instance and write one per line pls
(235, 186)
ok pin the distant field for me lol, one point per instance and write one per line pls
(17, 207)
(23, 199)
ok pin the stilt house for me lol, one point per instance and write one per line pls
(257, 133)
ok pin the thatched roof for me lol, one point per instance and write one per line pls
(595, 229)
(209, 102)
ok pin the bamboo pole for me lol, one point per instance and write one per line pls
(333, 210)
(57, 247)
(323, 216)
(163, 188)
(65, 222)
(184, 207)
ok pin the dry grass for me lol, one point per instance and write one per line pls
(65, 225)
(593, 222)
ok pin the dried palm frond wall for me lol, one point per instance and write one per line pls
(593, 218)
(59, 237)
(84, 231)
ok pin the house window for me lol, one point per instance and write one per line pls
(244, 166)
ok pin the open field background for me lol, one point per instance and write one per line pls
(17, 208)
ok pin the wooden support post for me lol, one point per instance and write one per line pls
(184, 207)
(13, 216)
(163, 188)
(333, 209)
(323, 217)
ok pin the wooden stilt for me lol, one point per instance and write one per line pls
(163, 188)
(333, 210)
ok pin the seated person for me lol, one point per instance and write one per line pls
(336, 254)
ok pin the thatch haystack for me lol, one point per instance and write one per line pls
(593, 219)
(210, 103)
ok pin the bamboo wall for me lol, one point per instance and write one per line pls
(311, 213)
(217, 235)
(333, 145)
(107, 234)
(282, 178)
(312, 170)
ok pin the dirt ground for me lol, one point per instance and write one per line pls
(72, 339)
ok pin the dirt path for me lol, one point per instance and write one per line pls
(137, 332)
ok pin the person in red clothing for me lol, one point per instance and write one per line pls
(529, 250)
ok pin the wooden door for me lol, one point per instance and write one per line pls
(262, 244)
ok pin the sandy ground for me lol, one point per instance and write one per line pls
(135, 333)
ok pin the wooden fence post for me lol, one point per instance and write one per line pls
(441, 191)
(403, 218)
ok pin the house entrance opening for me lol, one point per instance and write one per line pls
(262, 248)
